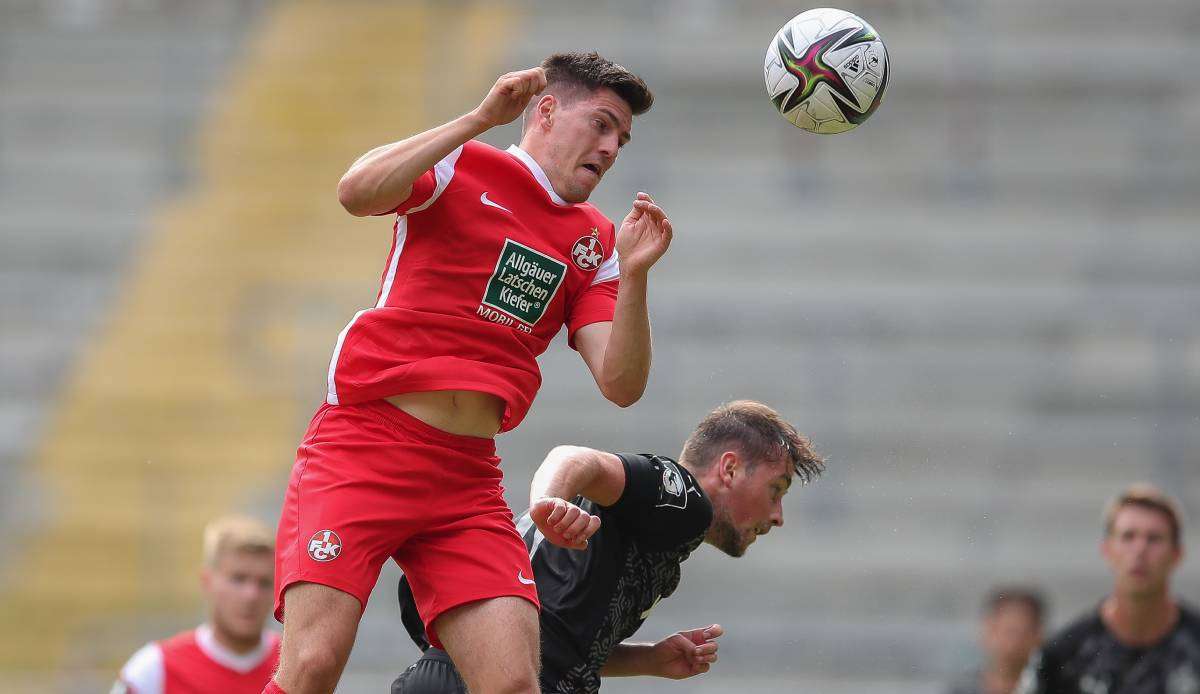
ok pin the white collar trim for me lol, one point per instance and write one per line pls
(241, 662)
(538, 173)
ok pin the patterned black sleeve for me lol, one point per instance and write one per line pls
(662, 505)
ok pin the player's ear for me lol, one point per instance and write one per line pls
(729, 462)
(545, 110)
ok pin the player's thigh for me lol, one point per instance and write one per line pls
(494, 642)
(319, 628)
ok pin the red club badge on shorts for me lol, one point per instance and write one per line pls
(325, 545)
(588, 252)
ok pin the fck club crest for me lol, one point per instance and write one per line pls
(588, 252)
(325, 545)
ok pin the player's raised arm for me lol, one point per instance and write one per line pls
(383, 178)
(618, 353)
(568, 472)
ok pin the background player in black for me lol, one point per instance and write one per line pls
(1010, 631)
(616, 546)
(1140, 640)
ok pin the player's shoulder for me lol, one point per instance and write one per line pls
(661, 480)
(482, 153)
(184, 639)
(603, 224)
(143, 672)
(1067, 640)
(1189, 618)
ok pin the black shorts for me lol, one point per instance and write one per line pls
(433, 673)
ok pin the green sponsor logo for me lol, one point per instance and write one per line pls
(524, 282)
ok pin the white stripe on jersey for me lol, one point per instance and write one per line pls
(610, 270)
(401, 235)
(332, 397)
(443, 171)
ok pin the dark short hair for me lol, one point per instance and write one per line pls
(759, 432)
(1147, 496)
(587, 72)
(1027, 596)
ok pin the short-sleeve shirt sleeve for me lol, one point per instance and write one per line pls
(662, 505)
(429, 185)
(143, 674)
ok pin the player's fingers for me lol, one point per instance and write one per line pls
(575, 530)
(713, 631)
(573, 522)
(592, 526)
(707, 648)
(568, 517)
(560, 508)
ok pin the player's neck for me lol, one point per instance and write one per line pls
(537, 151)
(233, 643)
(1140, 620)
(998, 678)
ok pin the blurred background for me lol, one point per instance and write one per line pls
(983, 305)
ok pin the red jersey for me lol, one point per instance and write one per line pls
(488, 263)
(192, 662)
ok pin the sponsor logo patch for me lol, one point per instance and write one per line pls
(324, 545)
(524, 283)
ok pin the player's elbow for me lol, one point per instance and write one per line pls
(623, 395)
(350, 195)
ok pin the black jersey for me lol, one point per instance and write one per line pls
(1086, 658)
(595, 598)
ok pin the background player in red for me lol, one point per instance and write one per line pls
(231, 652)
(494, 252)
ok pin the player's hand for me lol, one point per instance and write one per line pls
(509, 96)
(564, 523)
(644, 236)
(687, 653)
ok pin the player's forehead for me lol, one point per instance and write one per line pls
(605, 102)
(1132, 518)
(238, 560)
(774, 470)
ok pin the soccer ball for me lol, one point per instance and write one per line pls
(826, 70)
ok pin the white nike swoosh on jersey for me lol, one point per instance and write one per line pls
(520, 575)
(484, 199)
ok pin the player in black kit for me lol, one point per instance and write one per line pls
(1140, 640)
(619, 526)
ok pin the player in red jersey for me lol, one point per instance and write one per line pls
(231, 652)
(493, 253)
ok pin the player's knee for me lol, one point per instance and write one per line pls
(317, 668)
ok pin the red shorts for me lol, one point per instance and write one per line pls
(372, 482)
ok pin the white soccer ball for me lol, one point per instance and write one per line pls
(826, 70)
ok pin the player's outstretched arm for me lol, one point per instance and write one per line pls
(618, 353)
(383, 178)
(679, 656)
(568, 472)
